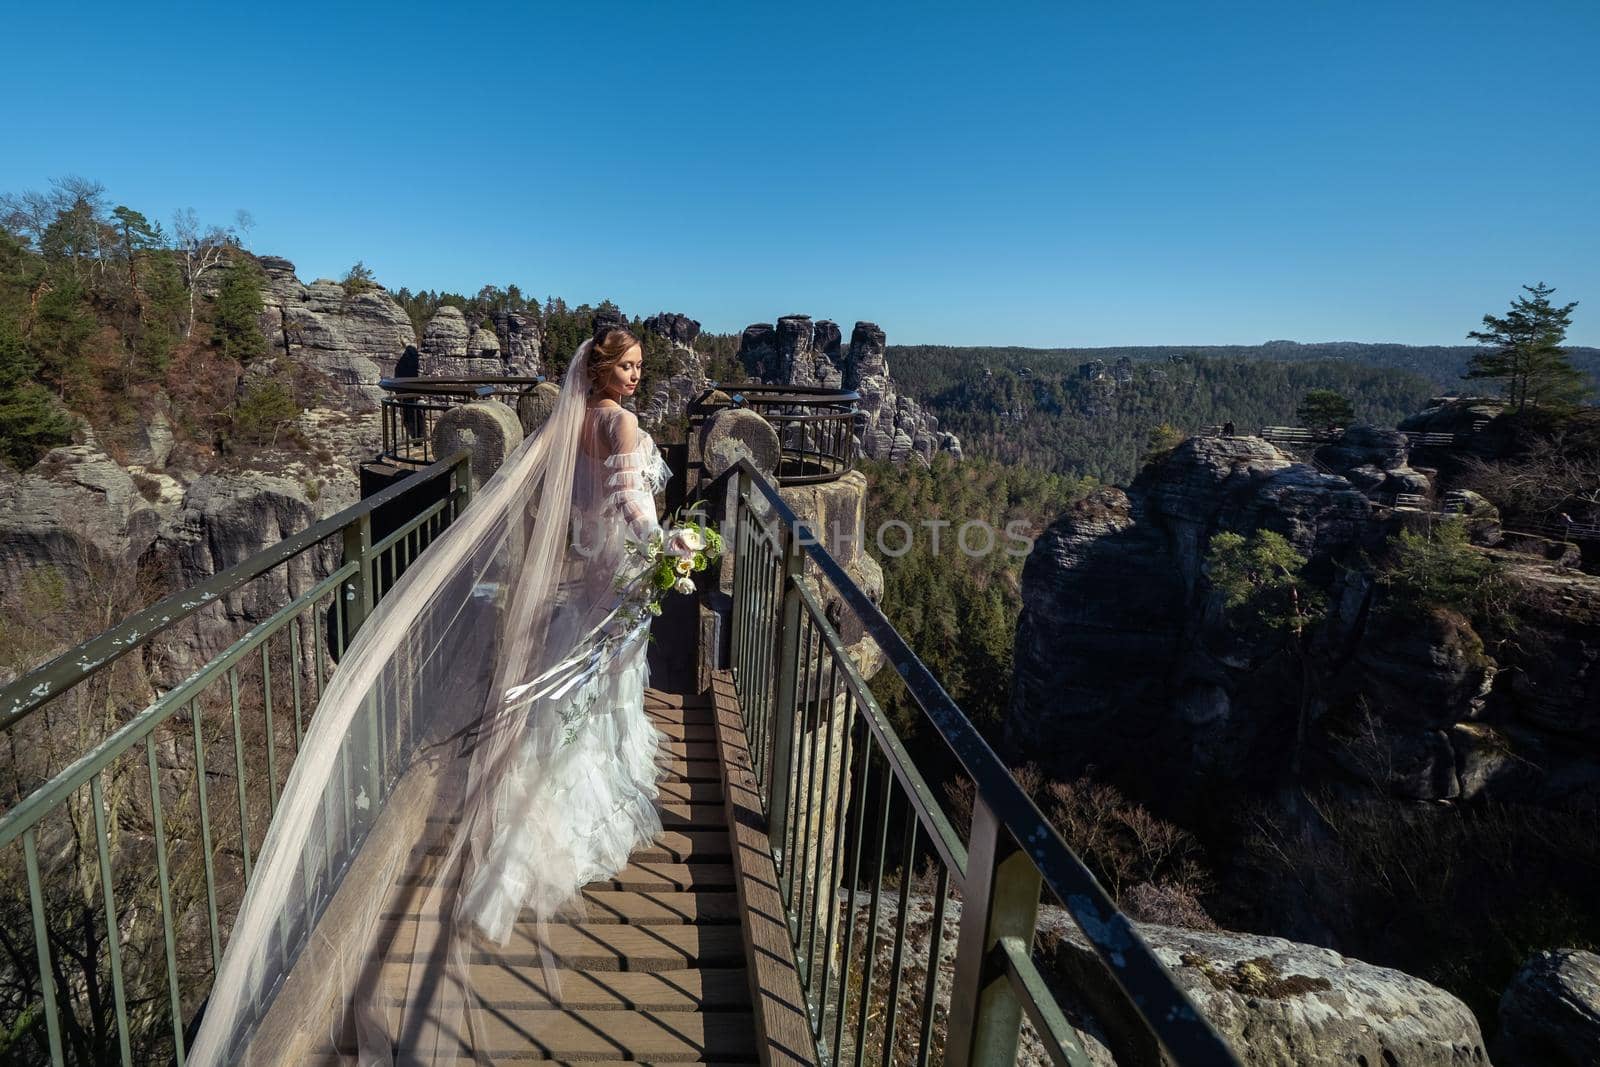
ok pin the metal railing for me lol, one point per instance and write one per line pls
(816, 426)
(840, 788)
(413, 406)
(132, 864)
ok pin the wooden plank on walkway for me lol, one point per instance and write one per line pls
(590, 947)
(690, 792)
(687, 877)
(580, 1035)
(693, 770)
(778, 1003)
(656, 969)
(676, 816)
(602, 904)
(644, 908)
(697, 989)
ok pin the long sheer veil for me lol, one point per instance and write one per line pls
(399, 776)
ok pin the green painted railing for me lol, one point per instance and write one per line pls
(131, 864)
(844, 798)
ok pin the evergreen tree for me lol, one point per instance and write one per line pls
(1161, 441)
(236, 313)
(163, 303)
(31, 423)
(62, 327)
(1525, 355)
(358, 279)
(1325, 409)
(1262, 585)
(138, 236)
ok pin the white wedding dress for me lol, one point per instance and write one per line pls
(580, 794)
(501, 680)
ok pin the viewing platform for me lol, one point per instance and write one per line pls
(813, 899)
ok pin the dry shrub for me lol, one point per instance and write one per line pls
(1459, 896)
(1122, 843)
(1124, 846)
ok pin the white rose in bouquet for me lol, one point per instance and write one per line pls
(684, 585)
(685, 541)
(683, 566)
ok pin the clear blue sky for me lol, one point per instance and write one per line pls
(981, 173)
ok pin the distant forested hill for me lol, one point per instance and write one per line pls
(928, 369)
(1049, 415)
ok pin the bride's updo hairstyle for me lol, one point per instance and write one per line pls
(611, 343)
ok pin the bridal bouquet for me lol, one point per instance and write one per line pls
(671, 555)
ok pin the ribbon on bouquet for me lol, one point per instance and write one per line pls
(590, 652)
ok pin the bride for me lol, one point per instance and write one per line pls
(480, 755)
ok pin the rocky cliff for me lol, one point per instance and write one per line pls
(81, 514)
(1277, 1003)
(1124, 659)
(798, 351)
(506, 344)
(354, 340)
(669, 396)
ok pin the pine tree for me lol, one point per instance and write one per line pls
(138, 235)
(1263, 584)
(358, 279)
(1525, 353)
(236, 314)
(31, 423)
(59, 339)
(1324, 409)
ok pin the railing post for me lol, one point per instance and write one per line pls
(999, 899)
(788, 638)
(358, 599)
(733, 536)
(462, 488)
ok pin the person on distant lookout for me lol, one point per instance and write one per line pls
(1227, 429)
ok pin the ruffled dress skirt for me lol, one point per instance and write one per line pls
(581, 796)
(591, 802)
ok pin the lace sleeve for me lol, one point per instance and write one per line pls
(634, 473)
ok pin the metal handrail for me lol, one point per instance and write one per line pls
(413, 405)
(20, 698)
(816, 425)
(814, 743)
(59, 861)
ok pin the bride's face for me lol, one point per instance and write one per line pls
(623, 381)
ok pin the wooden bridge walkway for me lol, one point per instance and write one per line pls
(660, 968)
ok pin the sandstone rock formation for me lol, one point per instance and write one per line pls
(1277, 1003)
(669, 397)
(798, 351)
(1111, 639)
(1124, 658)
(1376, 461)
(77, 510)
(353, 340)
(84, 516)
(521, 340)
(225, 519)
(1550, 1014)
(454, 348)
